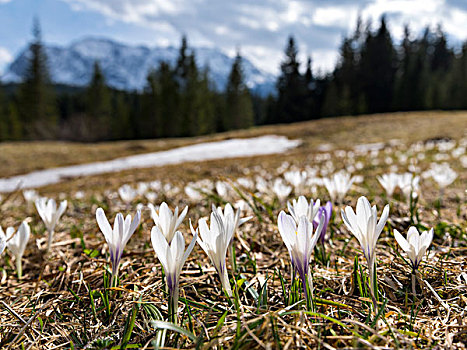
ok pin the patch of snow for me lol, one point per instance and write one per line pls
(232, 148)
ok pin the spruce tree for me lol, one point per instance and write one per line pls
(98, 105)
(150, 122)
(205, 105)
(404, 87)
(378, 68)
(170, 101)
(186, 78)
(310, 103)
(291, 88)
(4, 132)
(239, 107)
(38, 110)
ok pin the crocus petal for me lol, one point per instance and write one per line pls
(181, 217)
(190, 247)
(104, 225)
(2, 240)
(383, 219)
(160, 246)
(318, 230)
(402, 241)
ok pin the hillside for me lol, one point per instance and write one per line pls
(78, 295)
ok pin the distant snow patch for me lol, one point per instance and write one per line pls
(232, 148)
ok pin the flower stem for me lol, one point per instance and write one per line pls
(114, 280)
(19, 266)
(49, 242)
(226, 283)
(414, 283)
(373, 284)
(173, 303)
(233, 262)
(310, 286)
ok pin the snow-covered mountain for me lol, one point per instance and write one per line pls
(126, 67)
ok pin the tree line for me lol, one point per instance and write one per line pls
(372, 75)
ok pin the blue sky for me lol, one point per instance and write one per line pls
(260, 27)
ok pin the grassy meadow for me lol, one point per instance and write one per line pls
(64, 299)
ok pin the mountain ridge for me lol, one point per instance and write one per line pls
(126, 67)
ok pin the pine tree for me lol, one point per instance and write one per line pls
(440, 63)
(378, 68)
(36, 96)
(121, 126)
(310, 103)
(291, 88)
(205, 105)
(458, 80)
(404, 80)
(170, 101)
(4, 132)
(150, 122)
(239, 107)
(186, 75)
(98, 105)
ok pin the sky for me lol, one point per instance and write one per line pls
(259, 28)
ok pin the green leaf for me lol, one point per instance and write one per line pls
(129, 324)
(172, 327)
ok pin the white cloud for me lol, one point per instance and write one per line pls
(340, 16)
(261, 27)
(5, 58)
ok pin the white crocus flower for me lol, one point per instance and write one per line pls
(215, 240)
(262, 185)
(151, 196)
(167, 221)
(365, 226)
(127, 193)
(297, 179)
(30, 195)
(415, 245)
(118, 237)
(231, 221)
(172, 257)
(443, 175)
(230, 218)
(389, 182)
(409, 185)
(50, 214)
(2, 240)
(338, 185)
(193, 193)
(142, 188)
(155, 185)
(300, 242)
(222, 188)
(17, 243)
(245, 182)
(301, 207)
(281, 190)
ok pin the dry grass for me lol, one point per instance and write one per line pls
(23, 157)
(61, 301)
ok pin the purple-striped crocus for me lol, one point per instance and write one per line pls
(50, 214)
(415, 245)
(327, 211)
(118, 237)
(215, 240)
(300, 241)
(364, 225)
(301, 207)
(172, 257)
